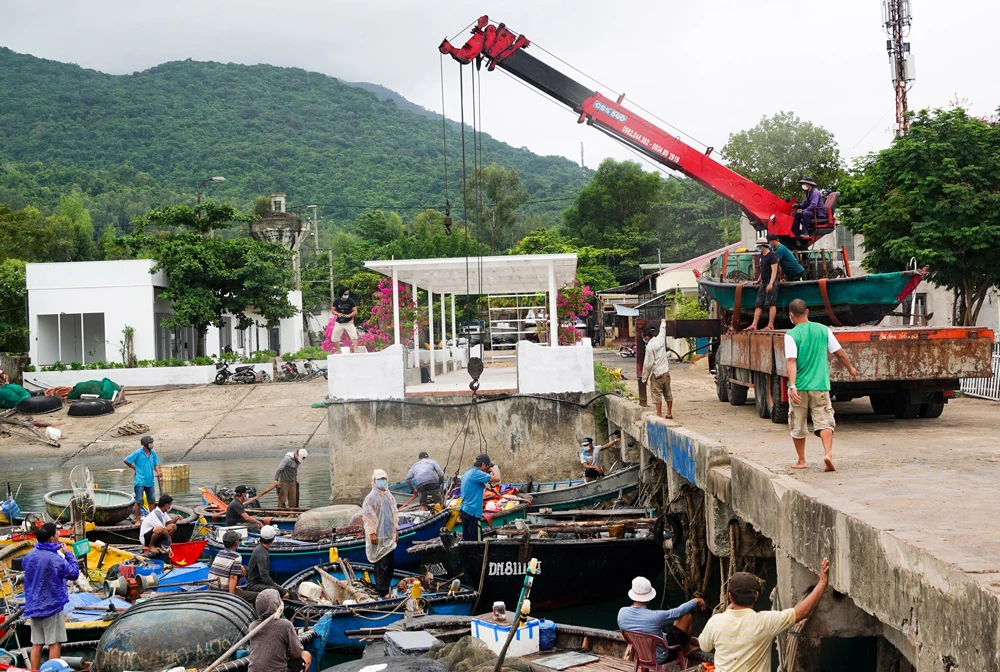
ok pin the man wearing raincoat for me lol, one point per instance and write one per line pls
(381, 530)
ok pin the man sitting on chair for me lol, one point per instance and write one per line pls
(639, 618)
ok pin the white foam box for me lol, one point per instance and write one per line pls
(494, 635)
(238, 529)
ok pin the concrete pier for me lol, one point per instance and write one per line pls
(909, 522)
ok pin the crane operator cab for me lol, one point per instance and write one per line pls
(813, 216)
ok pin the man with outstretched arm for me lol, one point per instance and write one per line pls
(807, 361)
(741, 637)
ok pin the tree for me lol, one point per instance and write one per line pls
(780, 150)
(591, 264)
(72, 231)
(211, 278)
(379, 228)
(690, 220)
(13, 292)
(502, 195)
(933, 196)
(23, 234)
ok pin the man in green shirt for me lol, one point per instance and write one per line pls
(807, 361)
(790, 266)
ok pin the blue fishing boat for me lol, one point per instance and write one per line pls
(359, 607)
(290, 556)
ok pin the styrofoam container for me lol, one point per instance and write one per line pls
(238, 529)
(494, 635)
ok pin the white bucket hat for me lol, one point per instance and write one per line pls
(642, 590)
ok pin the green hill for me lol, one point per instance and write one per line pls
(264, 128)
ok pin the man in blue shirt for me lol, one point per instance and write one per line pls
(790, 266)
(146, 465)
(640, 618)
(474, 483)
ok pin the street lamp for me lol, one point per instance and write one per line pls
(217, 178)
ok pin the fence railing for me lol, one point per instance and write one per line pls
(985, 388)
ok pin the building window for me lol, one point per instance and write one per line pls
(71, 337)
(241, 338)
(845, 239)
(917, 308)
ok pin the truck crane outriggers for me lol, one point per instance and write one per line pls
(497, 46)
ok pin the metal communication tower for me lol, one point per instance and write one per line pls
(896, 21)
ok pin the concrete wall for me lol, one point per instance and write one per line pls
(930, 610)
(145, 377)
(547, 370)
(367, 375)
(523, 436)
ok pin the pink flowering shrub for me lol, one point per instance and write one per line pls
(378, 333)
(572, 304)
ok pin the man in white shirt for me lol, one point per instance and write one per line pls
(741, 637)
(656, 369)
(158, 527)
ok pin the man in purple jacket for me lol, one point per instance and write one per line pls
(46, 572)
(809, 209)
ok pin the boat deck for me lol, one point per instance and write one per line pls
(603, 663)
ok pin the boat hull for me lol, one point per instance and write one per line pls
(855, 301)
(580, 494)
(380, 613)
(573, 571)
(129, 534)
(288, 561)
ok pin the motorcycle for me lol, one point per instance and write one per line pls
(289, 371)
(626, 351)
(243, 374)
(313, 371)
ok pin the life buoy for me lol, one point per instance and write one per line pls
(90, 407)
(39, 405)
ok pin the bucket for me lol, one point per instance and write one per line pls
(186, 553)
(546, 635)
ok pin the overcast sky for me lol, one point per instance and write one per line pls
(710, 69)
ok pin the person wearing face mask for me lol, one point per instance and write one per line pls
(378, 514)
(286, 478)
(810, 209)
(656, 369)
(344, 310)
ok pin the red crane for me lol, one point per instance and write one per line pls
(499, 47)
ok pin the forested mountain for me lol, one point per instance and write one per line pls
(264, 128)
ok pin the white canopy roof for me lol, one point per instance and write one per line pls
(512, 274)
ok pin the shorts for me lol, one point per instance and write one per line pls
(429, 491)
(795, 278)
(340, 328)
(659, 388)
(590, 472)
(766, 299)
(150, 495)
(815, 404)
(675, 637)
(51, 630)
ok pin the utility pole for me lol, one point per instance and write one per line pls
(315, 232)
(896, 21)
(583, 167)
(330, 257)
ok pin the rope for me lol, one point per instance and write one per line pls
(465, 214)
(444, 132)
(482, 574)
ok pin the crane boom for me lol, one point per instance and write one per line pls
(500, 47)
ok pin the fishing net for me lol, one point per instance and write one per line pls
(471, 655)
(105, 389)
(11, 395)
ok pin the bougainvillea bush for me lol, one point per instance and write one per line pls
(572, 304)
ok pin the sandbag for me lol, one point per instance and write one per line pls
(104, 389)
(11, 395)
(318, 523)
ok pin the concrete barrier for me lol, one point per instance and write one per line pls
(159, 376)
(546, 370)
(367, 375)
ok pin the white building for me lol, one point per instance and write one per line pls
(77, 312)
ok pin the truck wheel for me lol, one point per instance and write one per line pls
(737, 394)
(882, 404)
(721, 384)
(779, 408)
(932, 410)
(904, 408)
(760, 395)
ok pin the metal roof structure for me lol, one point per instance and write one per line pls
(509, 274)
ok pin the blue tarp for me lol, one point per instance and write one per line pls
(90, 600)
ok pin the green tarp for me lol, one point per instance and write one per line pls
(11, 395)
(105, 389)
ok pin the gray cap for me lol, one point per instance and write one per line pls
(146, 440)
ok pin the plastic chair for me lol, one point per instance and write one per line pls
(644, 647)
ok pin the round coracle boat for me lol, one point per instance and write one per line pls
(109, 507)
